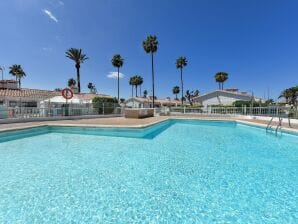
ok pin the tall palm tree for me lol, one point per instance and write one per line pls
(221, 77)
(136, 81)
(145, 93)
(131, 82)
(18, 72)
(176, 90)
(290, 95)
(117, 61)
(92, 87)
(181, 62)
(78, 57)
(140, 82)
(150, 46)
(71, 82)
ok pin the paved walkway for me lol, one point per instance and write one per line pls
(128, 122)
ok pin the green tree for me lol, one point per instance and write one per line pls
(150, 46)
(221, 77)
(176, 91)
(58, 89)
(71, 83)
(269, 102)
(104, 105)
(181, 62)
(78, 57)
(136, 80)
(140, 82)
(132, 83)
(18, 72)
(145, 93)
(117, 62)
(290, 95)
(91, 87)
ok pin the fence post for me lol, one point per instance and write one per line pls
(184, 109)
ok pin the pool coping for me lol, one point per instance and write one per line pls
(142, 126)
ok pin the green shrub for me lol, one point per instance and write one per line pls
(240, 103)
(107, 104)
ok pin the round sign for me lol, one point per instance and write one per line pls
(67, 93)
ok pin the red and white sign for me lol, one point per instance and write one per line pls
(67, 93)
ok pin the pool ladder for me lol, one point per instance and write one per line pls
(278, 126)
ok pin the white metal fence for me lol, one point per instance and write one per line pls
(271, 111)
(59, 111)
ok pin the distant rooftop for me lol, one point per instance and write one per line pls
(41, 94)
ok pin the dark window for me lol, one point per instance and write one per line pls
(12, 103)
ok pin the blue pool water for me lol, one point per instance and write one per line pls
(175, 172)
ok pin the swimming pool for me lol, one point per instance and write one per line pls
(179, 171)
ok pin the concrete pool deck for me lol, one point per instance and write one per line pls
(122, 122)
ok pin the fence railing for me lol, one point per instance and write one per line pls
(65, 110)
(110, 108)
(271, 111)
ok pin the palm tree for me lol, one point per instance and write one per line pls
(117, 61)
(181, 62)
(286, 94)
(140, 82)
(221, 77)
(176, 90)
(18, 72)
(91, 87)
(78, 57)
(290, 95)
(136, 80)
(150, 46)
(131, 82)
(145, 93)
(71, 83)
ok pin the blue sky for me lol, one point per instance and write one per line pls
(255, 41)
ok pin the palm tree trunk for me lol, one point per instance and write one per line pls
(222, 85)
(181, 86)
(118, 84)
(19, 82)
(176, 97)
(152, 67)
(136, 91)
(219, 85)
(140, 90)
(131, 91)
(78, 77)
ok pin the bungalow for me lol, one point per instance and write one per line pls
(12, 96)
(223, 97)
(140, 102)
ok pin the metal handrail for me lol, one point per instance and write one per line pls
(268, 125)
(279, 126)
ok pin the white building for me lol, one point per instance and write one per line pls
(140, 102)
(12, 96)
(223, 97)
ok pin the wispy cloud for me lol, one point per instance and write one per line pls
(50, 15)
(114, 75)
(61, 3)
(48, 49)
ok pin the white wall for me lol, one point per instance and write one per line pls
(223, 100)
(217, 98)
(134, 104)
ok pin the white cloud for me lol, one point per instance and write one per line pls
(114, 75)
(50, 15)
(61, 3)
(47, 49)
